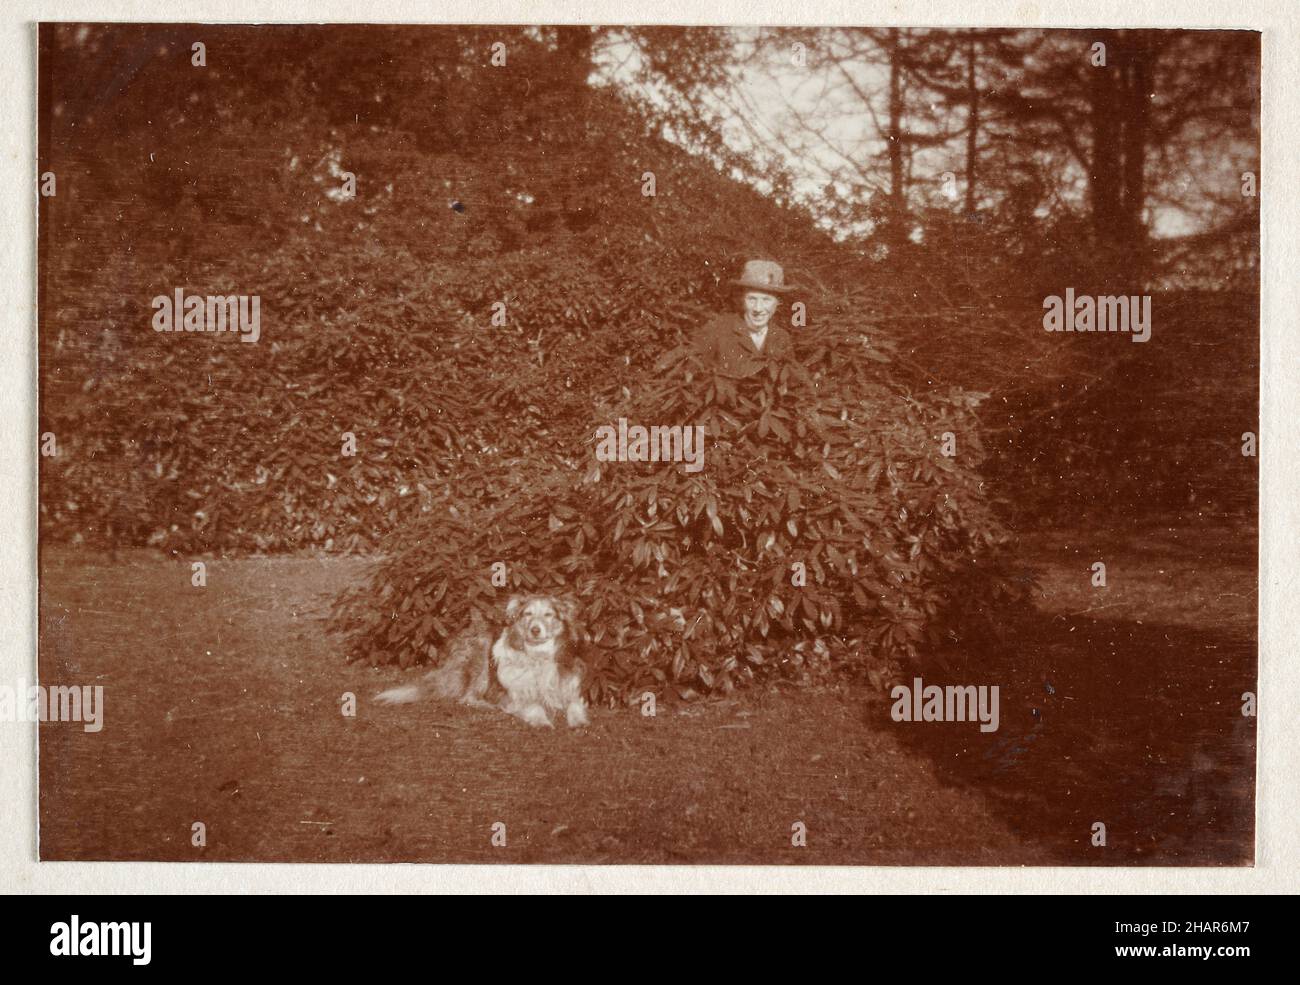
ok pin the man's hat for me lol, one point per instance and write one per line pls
(763, 275)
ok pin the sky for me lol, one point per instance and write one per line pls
(798, 108)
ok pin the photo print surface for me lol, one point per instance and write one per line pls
(537, 444)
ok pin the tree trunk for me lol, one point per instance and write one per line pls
(1138, 75)
(1105, 176)
(894, 138)
(972, 127)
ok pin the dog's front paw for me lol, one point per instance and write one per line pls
(536, 715)
(576, 714)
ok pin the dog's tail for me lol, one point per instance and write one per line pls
(447, 681)
(454, 679)
(401, 695)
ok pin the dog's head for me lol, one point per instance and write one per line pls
(540, 619)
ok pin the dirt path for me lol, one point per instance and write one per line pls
(222, 706)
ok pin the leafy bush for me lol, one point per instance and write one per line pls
(376, 321)
(474, 440)
(687, 579)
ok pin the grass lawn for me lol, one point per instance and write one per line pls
(222, 705)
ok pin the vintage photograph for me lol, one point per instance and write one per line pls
(647, 445)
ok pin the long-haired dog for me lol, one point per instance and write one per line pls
(531, 669)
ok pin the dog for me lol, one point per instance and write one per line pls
(531, 670)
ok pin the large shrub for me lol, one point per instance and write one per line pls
(377, 316)
(687, 580)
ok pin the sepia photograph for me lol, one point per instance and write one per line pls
(647, 445)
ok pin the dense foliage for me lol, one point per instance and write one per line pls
(478, 186)
(689, 578)
(377, 310)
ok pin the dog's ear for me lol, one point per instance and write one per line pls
(514, 606)
(568, 607)
(575, 629)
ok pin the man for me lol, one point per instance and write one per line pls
(741, 344)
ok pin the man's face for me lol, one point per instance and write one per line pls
(759, 308)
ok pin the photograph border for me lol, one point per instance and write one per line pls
(1278, 738)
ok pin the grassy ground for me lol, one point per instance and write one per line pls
(1119, 705)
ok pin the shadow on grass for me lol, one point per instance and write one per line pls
(1135, 725)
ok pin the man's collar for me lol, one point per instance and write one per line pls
(745, 335)
(744, 327)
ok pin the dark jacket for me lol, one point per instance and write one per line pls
(724, 344)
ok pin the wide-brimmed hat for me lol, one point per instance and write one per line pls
(763, 275)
